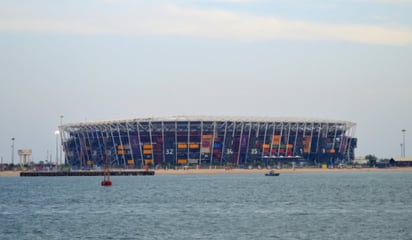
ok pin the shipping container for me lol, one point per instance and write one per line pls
(194, 145)
(130, 162)
(181, 161)
(182, 146)
(148, 161)
(276, 139)
(217, 145)
(147, 151)
(147, 146)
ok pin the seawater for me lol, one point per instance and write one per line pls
(228, 206)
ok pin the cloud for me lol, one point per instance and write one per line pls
(207, 23)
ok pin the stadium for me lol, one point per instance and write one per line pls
(207, 141)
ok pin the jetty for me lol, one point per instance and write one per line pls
(86, 173)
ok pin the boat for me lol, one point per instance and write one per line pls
(272, 173)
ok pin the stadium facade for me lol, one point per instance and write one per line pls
(204, 140)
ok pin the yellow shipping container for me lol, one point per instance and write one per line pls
(181, 146)
(120, 147)
(181, 161)
(332, 150)
(289, 146)
(89, 162)
(147, 146)
(266, 145)
(147, 151)
(120, 152)
(130, 162)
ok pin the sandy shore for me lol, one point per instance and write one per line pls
(9, 173)
(255, 171)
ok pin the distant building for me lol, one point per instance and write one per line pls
(360, 160)
(204, 140)
(402, 161)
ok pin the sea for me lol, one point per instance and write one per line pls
(357, 205)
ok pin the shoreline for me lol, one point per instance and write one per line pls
(254, 171)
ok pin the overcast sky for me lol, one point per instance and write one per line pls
(114, 59)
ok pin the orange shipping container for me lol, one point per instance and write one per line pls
(181, 161)
(148, 161)
(147, 151)
(181, 146)
(194, 145)
(276, 140)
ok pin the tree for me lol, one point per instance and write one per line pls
(372, 159)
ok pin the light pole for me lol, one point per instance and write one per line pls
(401, 150)
(12, 151)
(57, 147)
(403, 133)
(61, 141)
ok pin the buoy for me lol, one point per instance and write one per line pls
(106, 178)
(106, 183)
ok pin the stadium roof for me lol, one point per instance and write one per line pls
(215, 118)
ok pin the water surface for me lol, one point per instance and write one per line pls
(228, 206)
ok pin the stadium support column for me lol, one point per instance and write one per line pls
(248, 141)
(311, 138)
(334, 136)
(201, 144)
(240, 142)
(319, 136)
(130, 143)
(163, 142)
(281, 136)
(140, 143)
(114, 145)
(188, 142)
(271, 139)
(213, 143)
(287, 139)
(151, 142)
(121, 144)
(99, 143)
(176, 163)
(296, 138)
(223, 144)
(264, 142)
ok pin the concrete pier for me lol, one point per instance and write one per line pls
(86, 173)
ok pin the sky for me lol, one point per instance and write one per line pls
(91, 60)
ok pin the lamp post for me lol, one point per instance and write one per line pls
(57, 147)
(12, 151)
(61, 142)
(403, 133)
(401, 150)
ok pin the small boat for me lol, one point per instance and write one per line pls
(272, 173)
